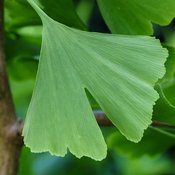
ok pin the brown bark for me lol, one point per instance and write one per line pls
(10, 148)
(10, 139)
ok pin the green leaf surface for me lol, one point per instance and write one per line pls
(164, 109)
(21, 58)
(170, 64)
(135, 16)
(84, 10)
(19, 13)
(149, 145)
(22, 68)
(119, 72)
(62, 11)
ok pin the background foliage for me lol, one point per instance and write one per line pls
(154, 154)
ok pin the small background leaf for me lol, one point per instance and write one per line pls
(149, 144)
(19, 13)
(135, 16)
(56, 10)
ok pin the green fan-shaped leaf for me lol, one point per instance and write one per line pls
(135, 16)
(119, 72)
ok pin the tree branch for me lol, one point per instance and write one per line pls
(5, 95)
(102, 120)
(10, 138)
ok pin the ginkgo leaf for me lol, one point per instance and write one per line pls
(135, 16)
(119, 71)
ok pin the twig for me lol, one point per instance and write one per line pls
(104, 121)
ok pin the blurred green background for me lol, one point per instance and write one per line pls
(154, 155)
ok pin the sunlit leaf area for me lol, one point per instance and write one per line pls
(67, 59)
